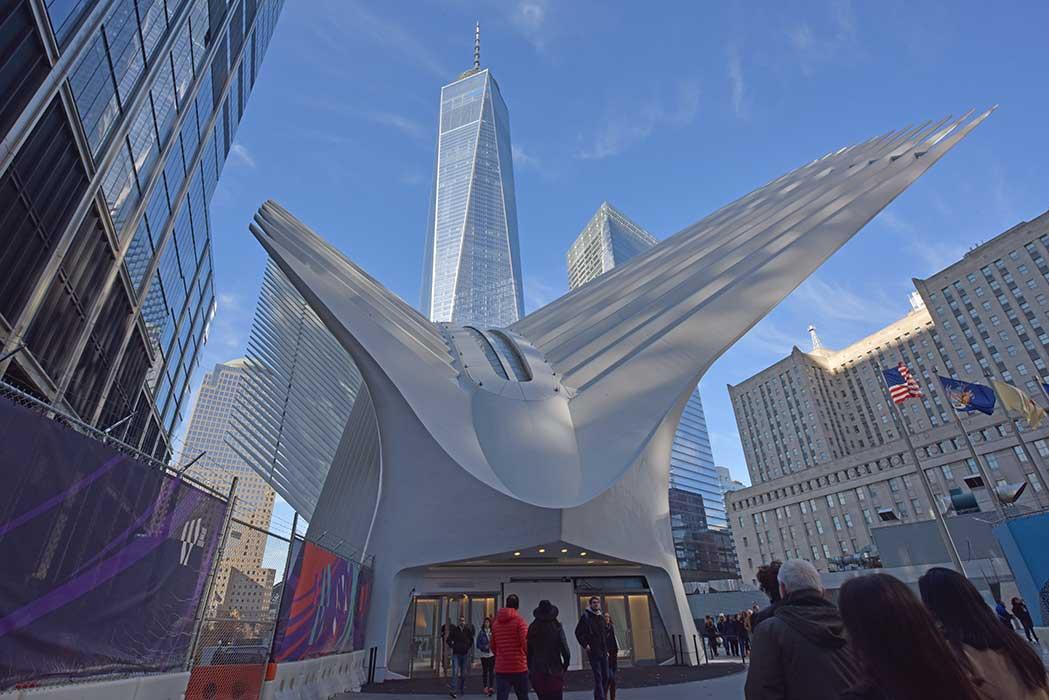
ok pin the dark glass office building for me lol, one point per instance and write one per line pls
(116, 117)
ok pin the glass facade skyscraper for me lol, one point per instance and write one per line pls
(116, 117)
(610, 239)
(472, 263)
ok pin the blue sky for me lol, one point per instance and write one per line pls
(667, 110)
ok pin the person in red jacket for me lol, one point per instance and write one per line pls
(510, 646)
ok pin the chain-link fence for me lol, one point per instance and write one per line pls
(239, 615)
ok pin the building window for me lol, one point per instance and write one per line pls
(819, 526)
(992, 461)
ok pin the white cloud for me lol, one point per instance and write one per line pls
(407, 126)
(529, 18)
(838, 40)
(350, 21)
(827, 300)
(622, 129)
(523, 159)
(738, 83)
(412, 177)
(766, 338)
(538, 293)
(240, 154)
(936, 254)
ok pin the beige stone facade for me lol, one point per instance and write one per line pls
(822, 438)
(242, 584)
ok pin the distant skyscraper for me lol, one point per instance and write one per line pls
(472, 265)
(242, 584)
(115, 120)
(610, 239)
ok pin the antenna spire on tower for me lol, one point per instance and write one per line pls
(477, 45)
(817, 345)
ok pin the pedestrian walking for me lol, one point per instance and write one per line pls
(901, 652)
(548, 654)
(460, 639)
(593, 639)
(801, 651)
(710, 631)
(731, 635)
(768, 582)
(613, 657)
(1005, 666)
(484, 653)
(510, 646)
(1023, 615)
(744, 633)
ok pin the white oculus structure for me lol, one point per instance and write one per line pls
(494, 445)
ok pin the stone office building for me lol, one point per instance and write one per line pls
(822, 438)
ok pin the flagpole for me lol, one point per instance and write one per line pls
(945, 534)
(1039, 467)
(980, 466)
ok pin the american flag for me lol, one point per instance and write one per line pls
(902, 385)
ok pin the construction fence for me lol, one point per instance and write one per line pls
(120, 566)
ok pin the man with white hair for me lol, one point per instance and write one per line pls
(801, 652)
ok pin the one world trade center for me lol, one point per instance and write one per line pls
(472, 265)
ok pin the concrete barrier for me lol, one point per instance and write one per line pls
(168, 686)
(318, 679)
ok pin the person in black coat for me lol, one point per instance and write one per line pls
(710, 631)
(1022, 614)
(460, 638)
(548, 654)
(613, 658)
(593, 638)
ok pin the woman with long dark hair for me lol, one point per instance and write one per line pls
(902, 654)
(1008, 666)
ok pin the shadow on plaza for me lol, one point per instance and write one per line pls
(633, 677)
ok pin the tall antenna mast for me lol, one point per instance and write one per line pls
(816, 344)
(477, 45)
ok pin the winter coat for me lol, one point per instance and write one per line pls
(612, 644)
(460, 639)
(801, 652)
(484, 643)
(590, 632)
(547, 646)
(1023, 615)
(710, 632)
(510, 642)
(996, 677)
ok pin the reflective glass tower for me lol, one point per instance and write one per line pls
(472, 266)
(116, 117)
(610, 239)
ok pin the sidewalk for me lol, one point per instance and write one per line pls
(723, 688)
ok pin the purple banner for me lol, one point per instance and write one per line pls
(324, 606)
(105, 559)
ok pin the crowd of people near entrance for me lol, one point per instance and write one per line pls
(516, 655)
(882, 641)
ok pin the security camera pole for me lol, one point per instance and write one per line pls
(898, 396)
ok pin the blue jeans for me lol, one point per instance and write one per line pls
(458, 671)
(518, 681)
(599, 665)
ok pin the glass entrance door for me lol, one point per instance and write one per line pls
(434, 615)
(426, 640)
